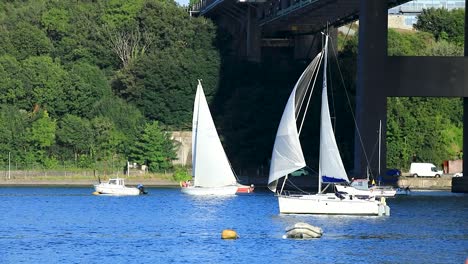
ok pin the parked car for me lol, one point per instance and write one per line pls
(458, 174)
(393, 172)
(424, 170)
(302, 172)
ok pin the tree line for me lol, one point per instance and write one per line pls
(85, 81)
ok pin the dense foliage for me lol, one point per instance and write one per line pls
(430, 129)
(448, 25)
(82, 81)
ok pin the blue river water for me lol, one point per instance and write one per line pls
(70, 225)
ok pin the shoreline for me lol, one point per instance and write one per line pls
(84, 183)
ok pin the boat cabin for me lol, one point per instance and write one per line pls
(360, 184)
(118, 181)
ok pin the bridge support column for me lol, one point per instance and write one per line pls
(370, 100)
(461, 184)
(465, 102)
(253, 37)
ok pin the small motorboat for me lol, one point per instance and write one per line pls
(245, 188)
(117, 186)
(303, 231)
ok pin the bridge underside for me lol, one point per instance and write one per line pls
(291, 23)
(279, 23)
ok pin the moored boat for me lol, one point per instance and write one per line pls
(245, 188)
(212, 173)
(361, 187)
(287, 156)
(116, 186)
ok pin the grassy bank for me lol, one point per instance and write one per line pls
(83, 179)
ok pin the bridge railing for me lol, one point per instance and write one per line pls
(204, 5)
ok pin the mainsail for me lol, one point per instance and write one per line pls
(211, 167)
(287, 153)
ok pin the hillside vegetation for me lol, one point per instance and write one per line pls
(85, 82)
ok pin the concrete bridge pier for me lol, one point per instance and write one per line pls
(240, 22)
(253, 35)
(371, 102)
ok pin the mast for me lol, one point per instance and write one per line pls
(380, 142)
(325, 51)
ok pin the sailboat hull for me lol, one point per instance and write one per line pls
(224, 190)
(330, 204)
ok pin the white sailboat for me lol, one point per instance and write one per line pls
(287, 156)
(211, 171)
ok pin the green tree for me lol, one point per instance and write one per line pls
(444, 24)
(11, 87)
(127, 119)
(163, 84)
(28, 40)
(106, 138)
(77, 134)
(154, 148)
(45, 81)
(13, 136)
(88, 85)
(121, 13)
(42, 134)
(6, 47)
(56, 22)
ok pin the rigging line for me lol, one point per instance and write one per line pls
(310, 95)
(347, 33)
(333, 100)
(372, 156)
(349, 103)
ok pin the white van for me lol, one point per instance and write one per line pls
(424, 170)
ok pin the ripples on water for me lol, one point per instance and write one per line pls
(69, 225)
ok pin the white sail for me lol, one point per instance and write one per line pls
(194, 126)
(287, 153)
(211, 167)
(331, 167)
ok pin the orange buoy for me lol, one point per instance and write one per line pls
(229, 234)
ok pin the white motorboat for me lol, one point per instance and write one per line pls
(287, 155)
(212, 173)
(361, 187)
(117, 186)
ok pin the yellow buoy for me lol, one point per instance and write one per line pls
(229, 234)
(96, 193)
